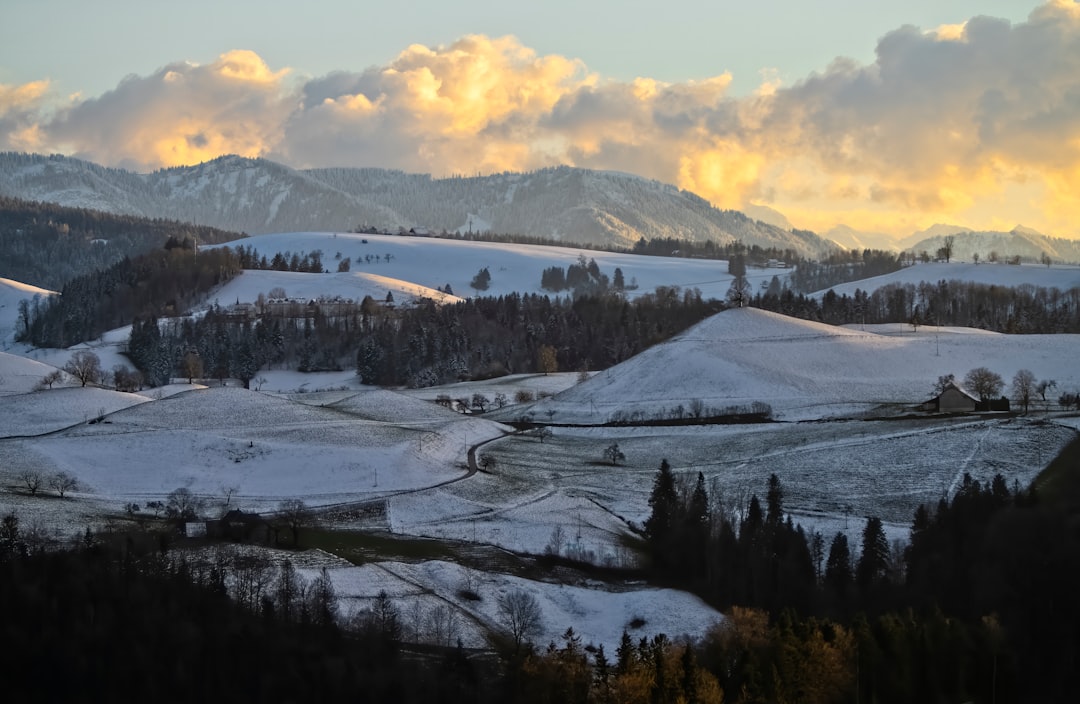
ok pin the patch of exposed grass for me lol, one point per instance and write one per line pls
(360, 547)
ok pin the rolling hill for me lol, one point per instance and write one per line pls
(802, 369)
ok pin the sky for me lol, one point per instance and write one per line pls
(886, 117)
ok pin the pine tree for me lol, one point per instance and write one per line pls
(774, 503)
(664, 502)
(838, 565)
(874, 559)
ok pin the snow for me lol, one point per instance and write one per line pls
(353, 285)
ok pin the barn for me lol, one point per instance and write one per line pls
(952, 399)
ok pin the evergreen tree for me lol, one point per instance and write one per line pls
(774, 503)
(874, 559)
(664, 502)
(838, 566)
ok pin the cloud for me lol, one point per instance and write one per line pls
(474, 105)
(949, 124)
(19, 115)
(182, 114)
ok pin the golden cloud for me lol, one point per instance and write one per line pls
(26, 95)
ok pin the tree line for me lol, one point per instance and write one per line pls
(423, 345)
(1017, 309)
(976, 606)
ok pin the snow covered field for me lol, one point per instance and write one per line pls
(432, 262)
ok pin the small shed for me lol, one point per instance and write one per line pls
(952, 399)
(999, 405)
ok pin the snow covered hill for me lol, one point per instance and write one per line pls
(577, 206)
(803, 369)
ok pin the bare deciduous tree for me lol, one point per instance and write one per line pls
(1023, 388)
(542, 433)
(943, 382)
(480, 402)
(442, 625)
(32, 480)
(546, 360)
(984, 383)
(62, 482)
(294, 514)
(53, 377)
(520, 615)
(85, 366)
(182, 505)
(1042, 387)
(613, 454)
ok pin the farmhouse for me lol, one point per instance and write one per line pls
(952, 399)
(241, 527)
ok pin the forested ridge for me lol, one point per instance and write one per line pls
(47, 245)
(163, 282)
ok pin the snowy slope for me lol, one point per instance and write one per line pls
(11, 292)
(434, 262)
(804, 369)
(61, 407)
(19, 375)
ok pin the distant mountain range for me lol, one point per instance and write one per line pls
(1021, 241)
(575, 206)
